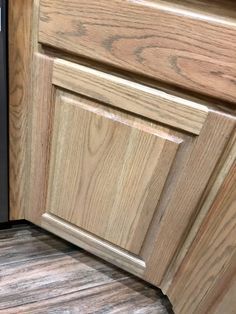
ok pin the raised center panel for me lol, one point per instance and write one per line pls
(107, 169)
(119, 168)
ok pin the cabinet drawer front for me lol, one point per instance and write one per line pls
(174, 46)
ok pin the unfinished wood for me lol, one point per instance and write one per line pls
(107, 169)
(180, 209)
(148, 38)
(124, 94)
(46, 274)
(92, 244)
(20, 13)
(209, 256)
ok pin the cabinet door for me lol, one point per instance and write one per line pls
(118, 168)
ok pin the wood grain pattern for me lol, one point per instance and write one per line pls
(133, 97)
(41, 273)
(225, 300)
(107, 170)
(210, 254)
(145, 37)
(189, 44)
(40, 127)
(175, 211)
(180, 210)
(218, 178)
(221, 297)
(125, 296)
(19, 82)
(218, 10)
(93, 244)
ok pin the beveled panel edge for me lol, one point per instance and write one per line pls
(163, 164)
(116, 116)
(93, 244)
(131, 96)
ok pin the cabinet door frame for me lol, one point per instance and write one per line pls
(191, 173)
(23, 38)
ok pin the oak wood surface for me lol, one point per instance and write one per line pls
(42, 119)
(221, 296)
(20, 14)
(222, 10)
(183, 49)
(44, 124)
(209, 101)
(212, 252)
(107, 169)
(140, 99)
(176, 209)
(89, 242)
(224, 302)
(202, 60)
(41, 273)
(180, 210)
(221, 172)
(40, 115)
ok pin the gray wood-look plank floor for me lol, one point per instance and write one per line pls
(40, 273)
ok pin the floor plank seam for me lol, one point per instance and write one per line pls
(30, 259)
(65, 294)
(63, 278)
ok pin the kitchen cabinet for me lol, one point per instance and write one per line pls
(116, 160)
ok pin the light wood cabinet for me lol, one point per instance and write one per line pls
(174, 41)
(111, 177)
(116, 163)
(212, 281)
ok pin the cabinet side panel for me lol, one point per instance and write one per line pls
(204, 267)
(206, 153)
(20, 19)
(224, 301)
(214, 186)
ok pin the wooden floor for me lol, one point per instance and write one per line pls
(40, 273)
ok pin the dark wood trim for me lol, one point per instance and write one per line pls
(3, 117)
